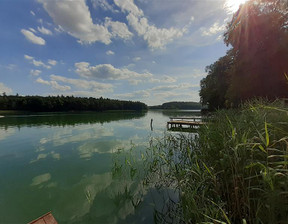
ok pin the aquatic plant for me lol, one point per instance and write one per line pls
(235, 170)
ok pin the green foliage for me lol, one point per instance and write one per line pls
(257, 62)
(66, 103)
(215, 85)
(178, 105)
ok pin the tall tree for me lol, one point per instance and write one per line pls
(258, 33)
(214, 87)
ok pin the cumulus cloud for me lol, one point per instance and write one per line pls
(118, 29)
(32, 30)
(84, 84)
(103, 4)
(110, 52)
(74, 17)
(5, 89)
(52, 62)
(35, 72)
(216, 28)
(53, 84)
(43, 30)
(155, 37)
(32, 37)
(39, 63)
(107, 71)
(28, 57)
(129, 6)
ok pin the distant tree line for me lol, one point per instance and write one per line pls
(257, 64)
(178, 105)
(66, 103)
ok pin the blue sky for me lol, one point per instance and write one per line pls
(152, 51)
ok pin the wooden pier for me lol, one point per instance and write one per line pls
(184, 123)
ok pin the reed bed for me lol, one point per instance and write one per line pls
(234, 170)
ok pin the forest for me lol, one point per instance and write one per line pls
(256, 64)
(178, 105)
(66, 103)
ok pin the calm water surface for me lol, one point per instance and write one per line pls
(62, 163)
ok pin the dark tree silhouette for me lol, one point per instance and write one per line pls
(257, 64)
(66, 103)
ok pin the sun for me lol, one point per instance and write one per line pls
(233, 5)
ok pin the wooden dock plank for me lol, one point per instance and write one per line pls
(45, 219)
(185, 122)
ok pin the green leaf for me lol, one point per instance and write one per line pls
(266, 134)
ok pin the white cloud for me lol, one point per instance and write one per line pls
(107, 71)
(118, 29)
(84, 84)
(155, 37)
(40, 63)
(110, 52)
(216, 28)
(35, 72)
(137, 59)
(43, 30)
(52, 62)
(168, 79)
(28, 57)
(75, 18)
(164, 79)
(32, 30)
(135, 82)
(103, 4)
(40, 80)
(11, 67)
(5, 89)
(140, 94)
(32, 37)
(129, 6)
(165, 88)
(53, 84)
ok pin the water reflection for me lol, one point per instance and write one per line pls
(64, 119)
(62, 163)
(41, 179)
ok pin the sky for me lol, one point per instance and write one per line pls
(153, 51)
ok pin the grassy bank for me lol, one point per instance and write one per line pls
(234, 171)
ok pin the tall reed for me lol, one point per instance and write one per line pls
(234, 171)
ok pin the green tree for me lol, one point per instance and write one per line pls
(214, 87)
(258, 34)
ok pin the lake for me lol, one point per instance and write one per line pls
(63, 163)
